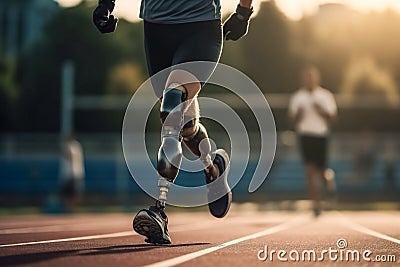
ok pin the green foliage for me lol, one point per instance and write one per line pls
(265, 54)
(9, 90)
(364, 76)
(8, 86)
(71, 35)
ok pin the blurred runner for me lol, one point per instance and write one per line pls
(312, 109)
(72, 172)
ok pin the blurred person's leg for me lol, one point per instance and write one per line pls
(313, 178)
(327, 175)
(322, 173)
(313, 151)
(69, 194)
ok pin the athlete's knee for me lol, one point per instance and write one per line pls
(185, 79)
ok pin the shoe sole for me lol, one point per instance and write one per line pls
(220, 207)
(145, 225)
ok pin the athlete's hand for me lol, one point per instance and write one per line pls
(319, 109)
(322, 111)
(102, 18)
(236, 26)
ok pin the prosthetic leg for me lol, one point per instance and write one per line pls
(170, 152)
(153, 222)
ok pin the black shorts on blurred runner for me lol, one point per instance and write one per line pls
(314, 149)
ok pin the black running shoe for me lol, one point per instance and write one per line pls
(152, 223)
(220, 207)
(317, 212)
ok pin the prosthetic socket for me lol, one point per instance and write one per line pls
(193, 134)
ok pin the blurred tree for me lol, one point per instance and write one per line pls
(272, 55)
(8, 85)
(268, 58)
(365, 77)
(70, 35)
(340, 34)
(124, 78)
(9, 91)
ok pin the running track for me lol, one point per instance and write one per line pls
(201, 240)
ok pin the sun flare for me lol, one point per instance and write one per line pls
(294, 9)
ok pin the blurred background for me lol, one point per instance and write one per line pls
(58, 76)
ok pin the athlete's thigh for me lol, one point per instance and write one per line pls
(203, 42)
(160, 49)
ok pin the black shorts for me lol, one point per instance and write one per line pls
(314, 149)
(169, 44)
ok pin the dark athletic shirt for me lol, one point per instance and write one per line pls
(180, 11)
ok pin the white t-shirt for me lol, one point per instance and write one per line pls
(311, 122)
(72, 161)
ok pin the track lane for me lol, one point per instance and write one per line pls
(206, 233)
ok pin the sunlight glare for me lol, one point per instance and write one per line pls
(68, 3)
(294, 9)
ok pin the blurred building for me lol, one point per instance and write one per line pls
(22, 23)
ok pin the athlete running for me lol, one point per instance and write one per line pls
(180, 31)
(312, 109)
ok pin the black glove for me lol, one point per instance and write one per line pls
(102, 18)
(236, 26)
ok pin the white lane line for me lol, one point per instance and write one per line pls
(96, 225)
(191, 227)
(126, 233)
(365, 230)
(193, 255)
(57, 228)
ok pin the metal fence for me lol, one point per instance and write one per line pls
(367, 166)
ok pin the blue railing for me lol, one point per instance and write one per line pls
(41, 176)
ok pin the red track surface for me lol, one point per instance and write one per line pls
(198, 239)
